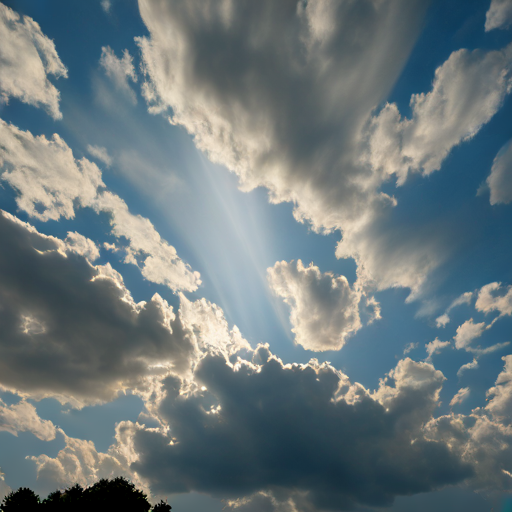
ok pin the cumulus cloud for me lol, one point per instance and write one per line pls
(72, 330)
(4, 488)
(23, 417)
(499, 15)
(324, 307)
(500, 403)
(472, 365)
(444, 319)
(467, 332)
(298, 121)
(119, 70)
(82, 245)
(80, 463)
(158, 261)
(28, 57)
(299, 432)
(48, 179)
(500, 179)
(100, 153)
(460, 396)
(495, 297)
(468, 90)
(50, 183)
(435, 347)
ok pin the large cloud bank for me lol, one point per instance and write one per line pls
(292, 107)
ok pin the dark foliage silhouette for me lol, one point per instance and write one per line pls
(117, 494)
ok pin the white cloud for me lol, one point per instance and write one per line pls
(324, 307)
(500, 403)
(119, 70)
(472, 365)
(23, 417)
(410, 347)
(443, 320)
(4, 488)
(460, 396)
(106, 5)
(100, 153)
(28, 57)
(296, 121)
(500, 179)
(499, 15)
(468, 90)
(80, 463)
(467, 332)
(82, 245)
(494, 297)
(158, 261)
(49, 181)
(435, 347)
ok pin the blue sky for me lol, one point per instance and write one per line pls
(256, 255)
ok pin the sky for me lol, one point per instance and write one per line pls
(256, 256)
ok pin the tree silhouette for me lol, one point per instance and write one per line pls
(22, 500)
(117, 494)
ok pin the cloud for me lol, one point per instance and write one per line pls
(106, 5)
(500, 402)
(298, 121)
(467, 332)
(80, 463)
(48, 179)
(4, 488)
(500, 179)
(82, 245)
(50, 183)
(468, 90)
(460, 396)
(158, 261)
(494, 297)
(72, 330)
(472, 365)
(28, 57)
(23, 417)
(499, 15)
(443, 320)
(324, 307)
(435, 347)
(119, 70)
(100, 153)
(297, 432)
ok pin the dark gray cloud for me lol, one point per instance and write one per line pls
(69, 328)
(299, 434)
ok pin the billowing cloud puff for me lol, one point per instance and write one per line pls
(467, 332)
(72, 329)
(500, 179)
(499, 15)
(28, 57)
(472, 365)
(48, 179)
(119, 70)
(468, 90)
(80, 463)
(23, 417)
(51, 183)
(82, 245)
(494, 297)
(324, 307)
(500, 404)
(297, 430)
